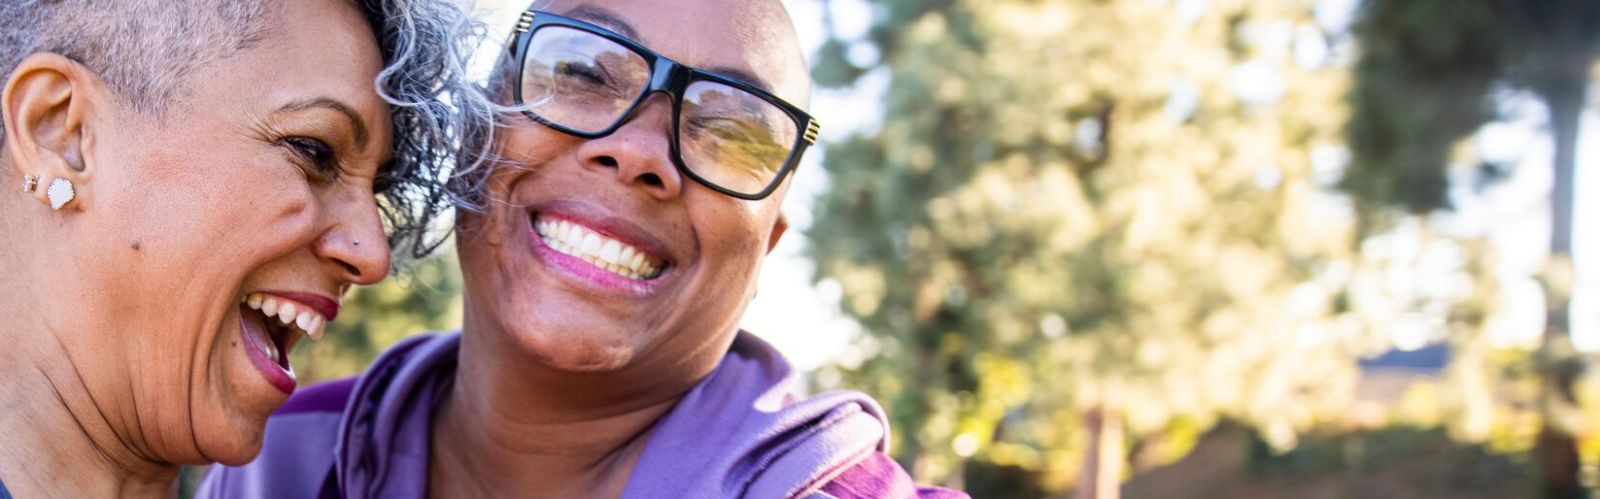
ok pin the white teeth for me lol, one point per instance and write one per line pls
(286, 313)
(610, 251)
(315, 331)
(270, 348)
(295, 315)
(606, 253)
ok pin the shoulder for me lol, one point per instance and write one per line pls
(297, 450)
(879, 477)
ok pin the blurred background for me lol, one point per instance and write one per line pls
(1183, 248)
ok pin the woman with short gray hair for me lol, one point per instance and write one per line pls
(195, 188)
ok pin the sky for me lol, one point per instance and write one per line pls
(804, 321)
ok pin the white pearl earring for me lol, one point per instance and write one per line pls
(60, 193)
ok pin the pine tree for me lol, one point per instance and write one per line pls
(1423, 84)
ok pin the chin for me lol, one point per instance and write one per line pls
(578, 350)
(228, 430)
(237, 446)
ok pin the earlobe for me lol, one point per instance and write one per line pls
(779, 226)
(44, 104)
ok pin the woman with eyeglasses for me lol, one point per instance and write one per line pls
(636, 193)
(189, 189)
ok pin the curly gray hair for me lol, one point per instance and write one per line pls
(143, 49)
(443, 121)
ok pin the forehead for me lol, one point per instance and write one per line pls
(310, 51)
(749, 37)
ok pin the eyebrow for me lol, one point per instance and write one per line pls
(359, 127)
(744, 76)
(609, 19)
(606, 18)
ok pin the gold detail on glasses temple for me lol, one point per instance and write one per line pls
(813, 129)
(525, 22)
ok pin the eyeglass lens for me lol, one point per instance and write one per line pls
(727, 136)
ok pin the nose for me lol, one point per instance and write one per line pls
(639, 153)
(354, 246)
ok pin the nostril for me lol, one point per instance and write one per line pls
(607, 161)
(352, 270)
(651, 179)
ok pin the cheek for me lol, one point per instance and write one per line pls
(733, 237)
(201, 223)
(156, 253)
(212, 216)
(524, 144)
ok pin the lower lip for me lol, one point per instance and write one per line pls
(596, 276)
(275, 374)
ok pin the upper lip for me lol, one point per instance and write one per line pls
(327, 306)
(607, 224)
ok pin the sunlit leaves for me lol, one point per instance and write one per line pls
(1043, 234)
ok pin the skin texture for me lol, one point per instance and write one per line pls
(124, 353)
(560, 378)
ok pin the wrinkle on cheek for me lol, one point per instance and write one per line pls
(505, 209)
(294, 208)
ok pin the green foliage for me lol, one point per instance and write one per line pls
(1424, 79)
(1421, 88)
(1421, 85)
(1038, 230)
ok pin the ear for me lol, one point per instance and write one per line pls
(44, 105)
(779, 226)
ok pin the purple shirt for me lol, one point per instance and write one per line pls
(741, 432)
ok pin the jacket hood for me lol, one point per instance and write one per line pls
(743, 431)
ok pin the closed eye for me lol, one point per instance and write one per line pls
(728, 128)
(316, 154)
(582, 70)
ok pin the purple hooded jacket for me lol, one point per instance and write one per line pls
(742, 432)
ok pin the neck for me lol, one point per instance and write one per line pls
(59, 441)
(511, 427)
(64, 432)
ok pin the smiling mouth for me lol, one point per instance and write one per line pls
(577, 241)
(283, 323)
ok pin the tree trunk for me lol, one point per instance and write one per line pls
(1557, 450)
(1101, 475)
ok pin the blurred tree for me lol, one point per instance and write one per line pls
(1084, 223)
(1423, 84)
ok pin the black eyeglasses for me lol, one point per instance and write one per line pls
(587, 81)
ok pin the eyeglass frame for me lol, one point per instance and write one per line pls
(666, 76)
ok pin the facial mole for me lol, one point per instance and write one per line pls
(135, 244)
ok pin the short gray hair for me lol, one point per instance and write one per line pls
(144, 49)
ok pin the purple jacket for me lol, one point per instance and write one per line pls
(742, 432)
